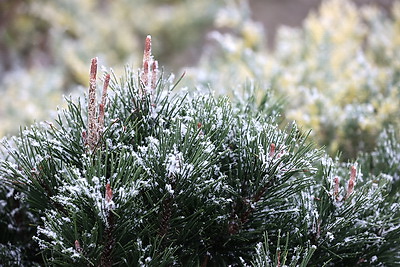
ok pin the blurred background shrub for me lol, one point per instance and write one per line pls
(46, 46)
(339, 73)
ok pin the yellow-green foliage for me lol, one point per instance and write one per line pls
(340, 72)
(343, 72)
(114, 30)
(242, 50)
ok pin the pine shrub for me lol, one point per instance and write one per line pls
(154, 175)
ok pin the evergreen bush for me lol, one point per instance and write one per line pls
(145, 176)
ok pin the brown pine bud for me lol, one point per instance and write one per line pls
(272, 150)
(147, 49)
(336, 188)
(105, 87)
(84, 137)
(109, 193)
(92, 121)
(78, 246)
(93, 69)
(154, 74)
(278, 264)
(102, 106)
(353, 173)
(147, 62)
(101, 118)
(352, 181)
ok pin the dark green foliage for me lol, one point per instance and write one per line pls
(191, 179)
(16, 245)
(282, 256)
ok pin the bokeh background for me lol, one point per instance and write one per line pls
(335, 63)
